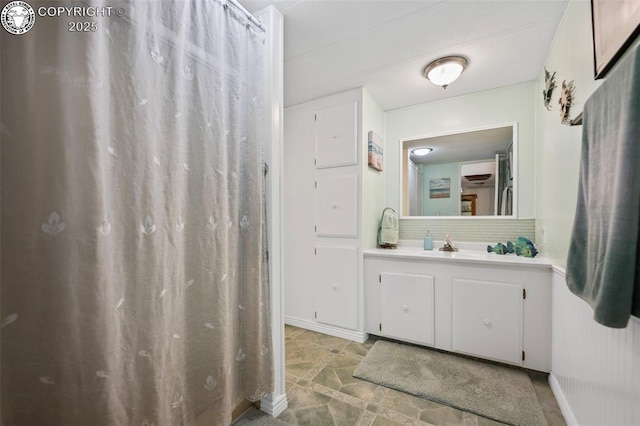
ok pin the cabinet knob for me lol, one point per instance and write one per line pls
(405, 308)
(487, 322)
(334, 286)
(334, 137)
(334, 206)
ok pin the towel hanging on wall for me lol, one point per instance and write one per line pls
(388, 229)
(506, 208)
(603, 265)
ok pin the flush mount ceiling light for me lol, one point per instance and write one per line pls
(444, 71)
(421, 151)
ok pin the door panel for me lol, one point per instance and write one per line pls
(337, 206)
(336, 136)
(336, 286)
(406, 307)
(487, 319)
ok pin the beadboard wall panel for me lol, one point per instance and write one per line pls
(595, 369)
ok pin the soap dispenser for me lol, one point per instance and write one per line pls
(428, 242)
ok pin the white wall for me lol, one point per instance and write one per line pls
(373, 180)
(558, 146)
(495, 107)
(595, 370)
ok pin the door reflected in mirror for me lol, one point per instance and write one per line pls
(470, 173)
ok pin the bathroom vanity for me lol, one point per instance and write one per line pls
(471, 302)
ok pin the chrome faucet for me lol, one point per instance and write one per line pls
(448, 244)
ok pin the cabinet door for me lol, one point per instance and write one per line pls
(337, 206)
(336, 286)
(336, 135)
(406, 307)
(487, 319)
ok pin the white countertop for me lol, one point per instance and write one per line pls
(468, 253)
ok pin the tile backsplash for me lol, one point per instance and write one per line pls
(480, 230)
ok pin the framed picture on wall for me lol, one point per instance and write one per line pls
(440, 188)
(376, 153)
(616, 24)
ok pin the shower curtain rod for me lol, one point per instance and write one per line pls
(251, 18)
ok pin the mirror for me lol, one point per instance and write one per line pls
(471, 173)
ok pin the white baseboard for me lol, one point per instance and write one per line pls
(356, 336)
(562, 401)
(274, 405)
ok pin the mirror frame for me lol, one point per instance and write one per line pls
(515, 171)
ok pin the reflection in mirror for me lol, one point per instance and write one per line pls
(463, 174)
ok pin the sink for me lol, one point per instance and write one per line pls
(460, 254)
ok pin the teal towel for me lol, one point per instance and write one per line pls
(603, 265)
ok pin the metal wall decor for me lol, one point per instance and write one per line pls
(549, 85)
(565, 101)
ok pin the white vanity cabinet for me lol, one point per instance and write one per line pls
(483, 307)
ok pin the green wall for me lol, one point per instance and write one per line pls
(441, 206)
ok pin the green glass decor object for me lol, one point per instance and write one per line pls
(524, 247)
(497, 249)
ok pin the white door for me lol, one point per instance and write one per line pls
(336, 286)
(336, 135)
(406, 307)
(487, 319)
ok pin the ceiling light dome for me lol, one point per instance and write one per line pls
(421, 151)
(444, 71)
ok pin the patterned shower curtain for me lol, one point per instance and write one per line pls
(134, 279)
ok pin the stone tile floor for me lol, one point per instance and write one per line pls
(322, 391)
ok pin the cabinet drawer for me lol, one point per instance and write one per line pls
(487, 319)
(406, 307)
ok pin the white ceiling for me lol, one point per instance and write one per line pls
(383, 45)
(468, 146)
